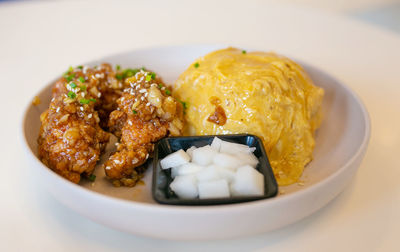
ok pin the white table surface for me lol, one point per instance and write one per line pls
(38, 40)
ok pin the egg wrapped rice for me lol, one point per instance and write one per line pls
(230, 91)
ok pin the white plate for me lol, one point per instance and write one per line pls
(340, 146)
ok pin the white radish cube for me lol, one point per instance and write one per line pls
(185, 186)
(190, 151)
(216, 144)
(235, 148)
(174, 171)
(213, 189)
(247, 159)
(208, 174)
(225, 173)
(175, 159)
(203, 155)
(247, 182)
(226, 160)
(189, 168)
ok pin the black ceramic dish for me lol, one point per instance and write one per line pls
(162, 178)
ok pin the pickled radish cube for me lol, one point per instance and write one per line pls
(185, 169)
(216, 144)
(189, 168)
(203, 155)
(174, 171)
(190, 151)
(225, 173)
(226, 160)
(235, 148)
(247, 182)
(185, 186)
(175, 159)
(213, 189)
(247, 159)
(209, 173)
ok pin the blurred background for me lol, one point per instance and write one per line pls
(384, 13)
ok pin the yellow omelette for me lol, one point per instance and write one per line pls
(230, 91)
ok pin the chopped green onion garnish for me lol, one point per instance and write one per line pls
(153, 76)
(84, 101)
(118, 67)
(70, 69)
(148, 77)
(81, 79)
(184, 104)
(87, 101)
(71, 95)
(129, 72)
(80, 67)
(69, 77)
(244, 52)
(167, 92)
(83, 87)
(134, 111)
(196, 65)
(143, 68)
(160, 85)
(92, 177)
(73, 85)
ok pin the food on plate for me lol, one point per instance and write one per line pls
(146, 113)
(70, 138)
(234, 91)
(36, 100)
(90, 103)
(101, 82)
(227, 91)
(220, 170)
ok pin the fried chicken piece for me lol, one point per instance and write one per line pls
(72, 135)
(146, 113)
(71, 139)
(109, 90)
(102, 82)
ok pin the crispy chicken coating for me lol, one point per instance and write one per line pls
(102, 83)
(87, 102)
(146, 113)
(71, 139)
